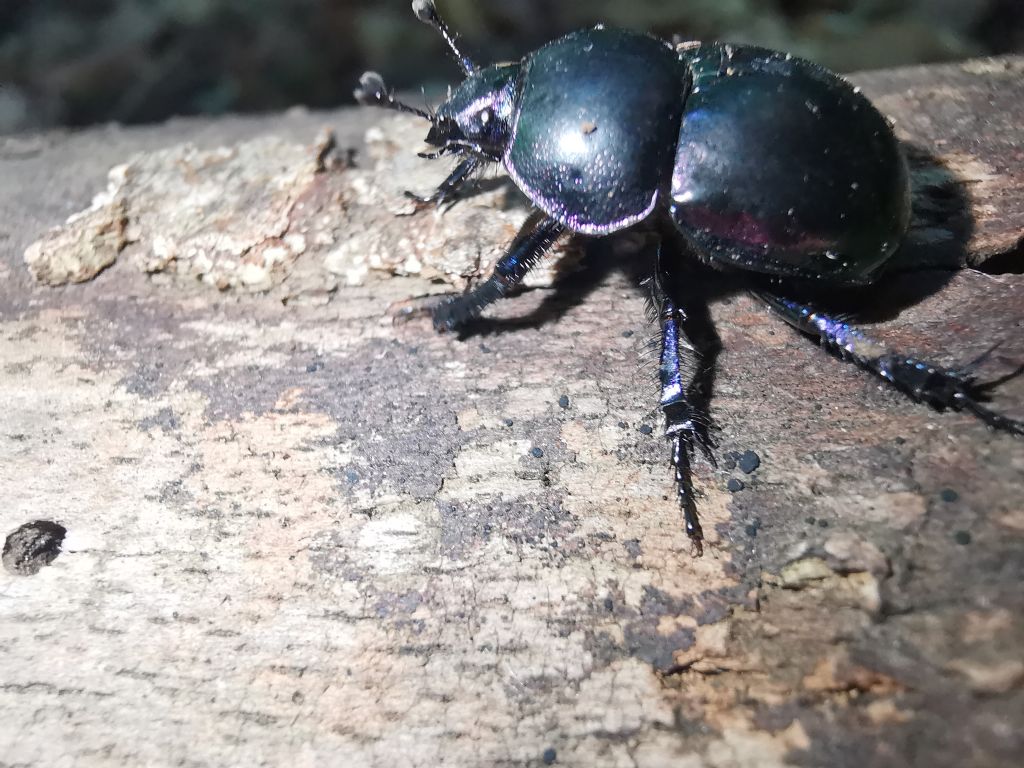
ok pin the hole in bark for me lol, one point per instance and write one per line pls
(1010, 262)
(32, 546)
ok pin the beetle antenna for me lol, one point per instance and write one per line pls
(426, 12)
(374, 92)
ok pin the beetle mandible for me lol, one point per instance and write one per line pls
(764, 163)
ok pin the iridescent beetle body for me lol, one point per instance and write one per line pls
(763, 162)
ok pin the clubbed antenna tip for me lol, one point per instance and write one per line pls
(425, 11)
(374, 92)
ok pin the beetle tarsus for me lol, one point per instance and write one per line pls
(995, 420)
(435, 154)
(942, 388)
(682, 451)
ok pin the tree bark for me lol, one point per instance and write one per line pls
(299, 532)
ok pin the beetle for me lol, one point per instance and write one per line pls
(764, 163)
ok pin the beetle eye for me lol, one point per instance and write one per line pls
(485, 116)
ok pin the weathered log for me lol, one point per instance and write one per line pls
(299, 533)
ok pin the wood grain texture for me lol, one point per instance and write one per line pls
(301, 534)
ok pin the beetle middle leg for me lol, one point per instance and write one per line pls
(534, 240)
(939, 387)
(687, 423)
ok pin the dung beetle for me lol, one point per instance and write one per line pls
(764, 163)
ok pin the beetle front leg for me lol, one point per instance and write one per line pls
(686, 423)
(941, 388)
(451, 185)
(535, 239)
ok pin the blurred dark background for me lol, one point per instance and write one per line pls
(76, 62)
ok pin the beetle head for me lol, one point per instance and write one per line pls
(478, 115)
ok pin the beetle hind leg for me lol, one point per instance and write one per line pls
(942, 388)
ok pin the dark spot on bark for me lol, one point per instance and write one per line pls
(164, 419)
(536, 453)
(734, 485)
(646, 429)
(32, 546)
(147, 381)
(563, 401)
(467, 527)
(549, 756)
(962, 537)
(949, 495)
